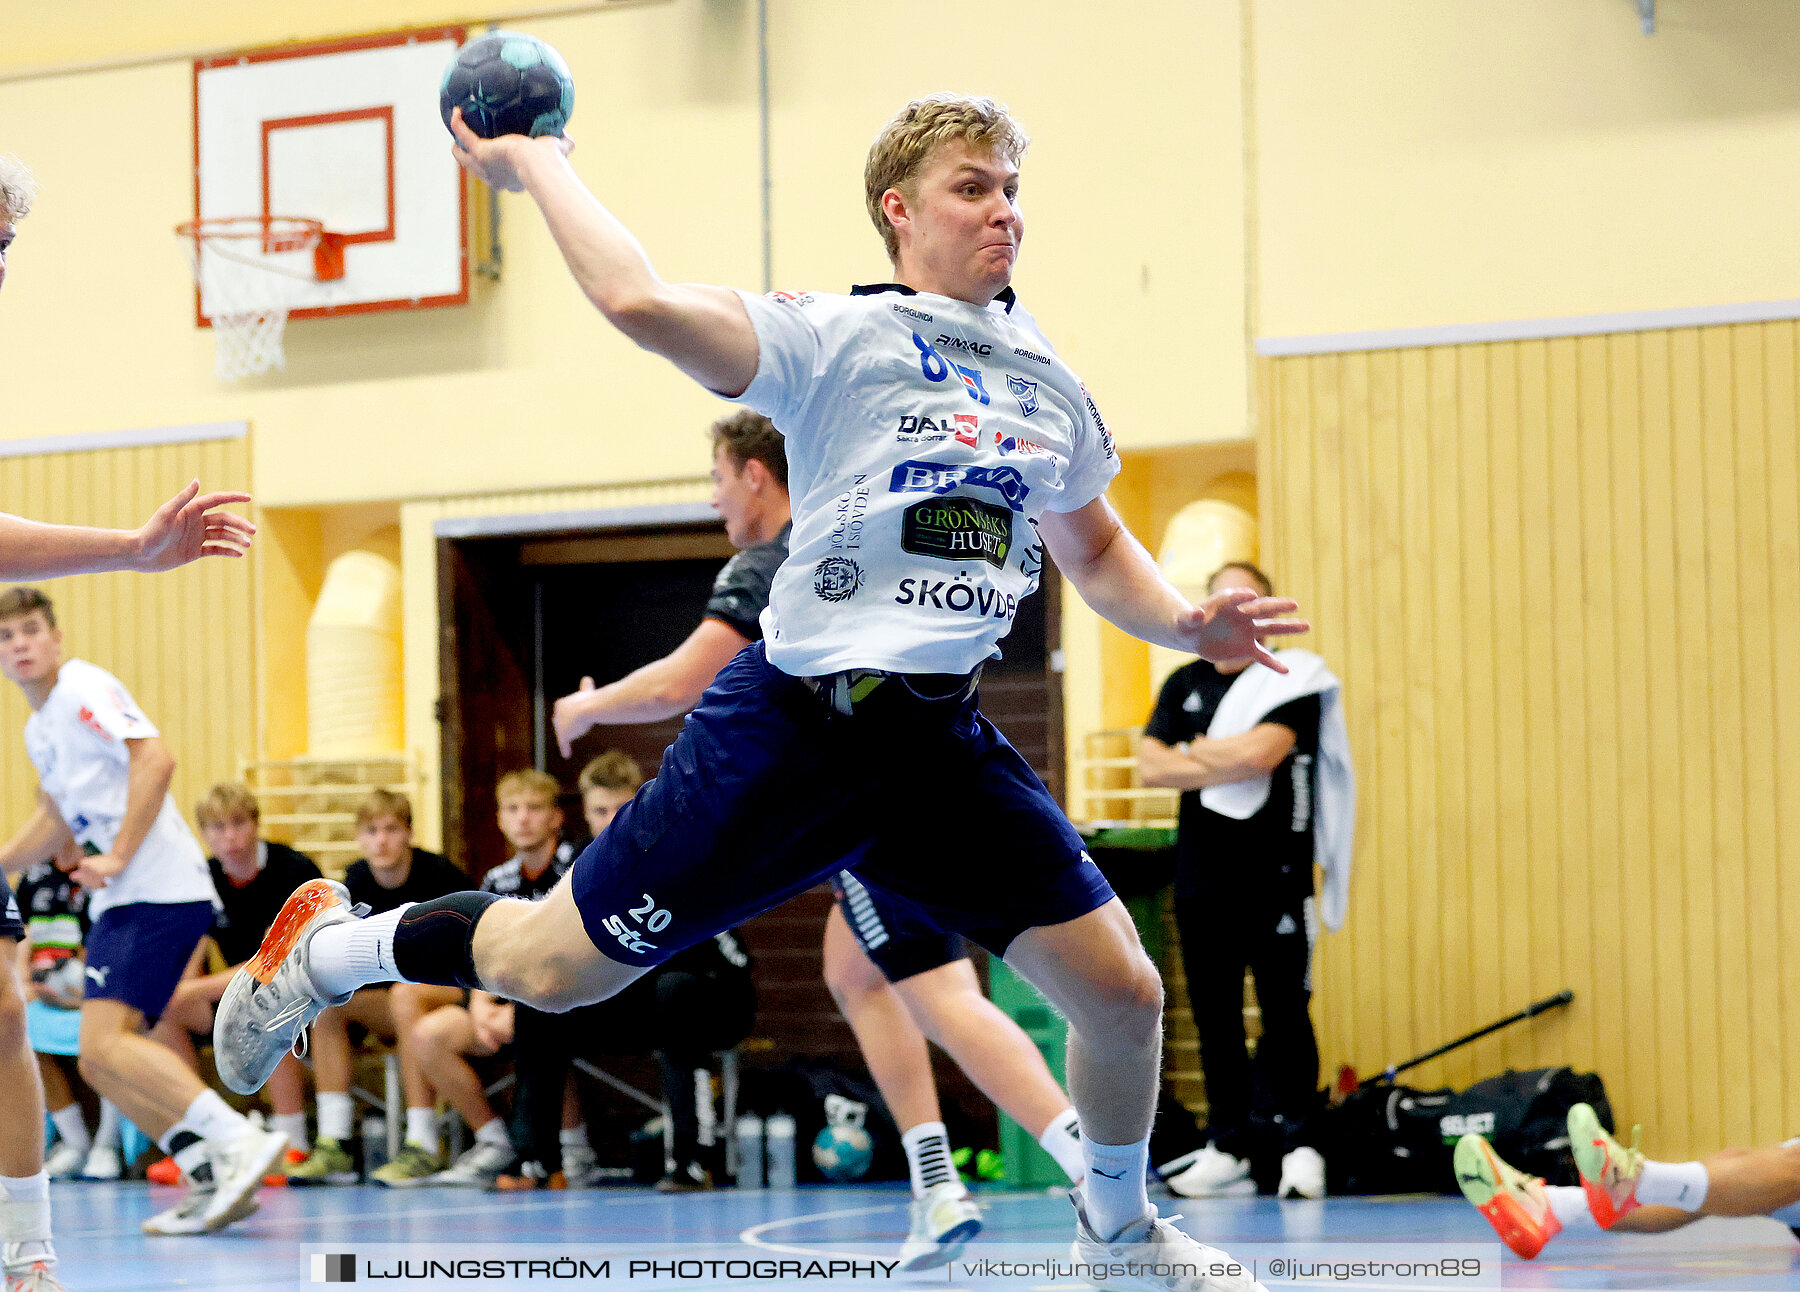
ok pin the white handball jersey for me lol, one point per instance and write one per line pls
(925, 436)
(77, 743)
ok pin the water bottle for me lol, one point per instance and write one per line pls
(374, 1142)
(779, 1132)
(750, 1151)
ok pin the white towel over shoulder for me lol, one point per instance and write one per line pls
(1258, 692)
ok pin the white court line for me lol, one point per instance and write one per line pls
(752, 1236)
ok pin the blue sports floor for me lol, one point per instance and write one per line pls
(103, 1251)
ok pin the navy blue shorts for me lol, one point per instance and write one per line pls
(767, 791)
(11, 925)
(892, 933)
(136, 953)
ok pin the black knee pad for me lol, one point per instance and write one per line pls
(435, 941)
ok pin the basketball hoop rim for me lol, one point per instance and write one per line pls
(277, 234)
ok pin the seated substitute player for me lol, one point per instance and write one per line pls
(703, 999)
(1624, 1191)
(445, 1039)
(852, 723)
(390, 874)
(183, 529)
(923, 973)
(253, 877)
(104, 775)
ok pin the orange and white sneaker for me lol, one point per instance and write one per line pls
(1513, 1202)
(1609, 1170)
(272, 1000)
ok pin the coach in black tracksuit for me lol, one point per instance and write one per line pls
(1243, 896)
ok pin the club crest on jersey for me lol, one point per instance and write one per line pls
(837, 578)
(931, 477)
(1025, 391)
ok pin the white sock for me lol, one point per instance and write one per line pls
(355, 954)
(107, 1134)
(422, 1129)
(335, 1115)
(1568, 1203)
(494, 1132)
(293, 1125)
(25, 1208)
(1062, 1141)
(71, 1128)
(209, 1117)
(1674, 1184)
(573, 1137)
(1114, 1184)
(928, 1156)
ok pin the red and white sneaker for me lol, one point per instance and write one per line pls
(1513, 1203)
(272, 999)
(1609, 1170)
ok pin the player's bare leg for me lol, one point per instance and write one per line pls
(942, 1218)
(25, 1247)
(986, 1043)
(892, 1043)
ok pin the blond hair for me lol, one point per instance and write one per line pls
(613, 770)
(227, 801)
(18, 187)
(528, 781)
(384, 803)
(907, 142)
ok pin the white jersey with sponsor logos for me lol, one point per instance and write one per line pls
(77, 744)
(925, 436)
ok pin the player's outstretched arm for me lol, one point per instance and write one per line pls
(702, 330)
(1117, 577)
(183, 529)
(41, 836)
(660, 689)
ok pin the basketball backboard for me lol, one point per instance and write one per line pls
(346, 132)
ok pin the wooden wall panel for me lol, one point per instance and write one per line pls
(1561, 582)
(181, 642)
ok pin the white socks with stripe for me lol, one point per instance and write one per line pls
(1062, 1141)
(928, 1157)
(1114, 1187)
(1568, 1203)
(1674, 1184)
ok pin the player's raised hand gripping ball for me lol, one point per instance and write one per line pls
(508, 84)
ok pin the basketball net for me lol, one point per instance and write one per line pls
(251, 270)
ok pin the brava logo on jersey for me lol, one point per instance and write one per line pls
(932, 477)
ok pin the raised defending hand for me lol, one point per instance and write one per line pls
(495, 162)
(186, 528)
(569, 720)
(1233, 624)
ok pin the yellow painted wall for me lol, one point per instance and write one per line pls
(182, 642)
(1558, 579)
(1422, 162)
(526, 387)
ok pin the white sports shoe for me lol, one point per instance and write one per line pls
(1213, 1175)
(237, 1168)
(580, 1164)
(28, 1273)
(943, 1222)
(1302, 1174)
(1155, 1242)
(103, 1163)
(65, 1161)
(476, 1168)
(272, 1000)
